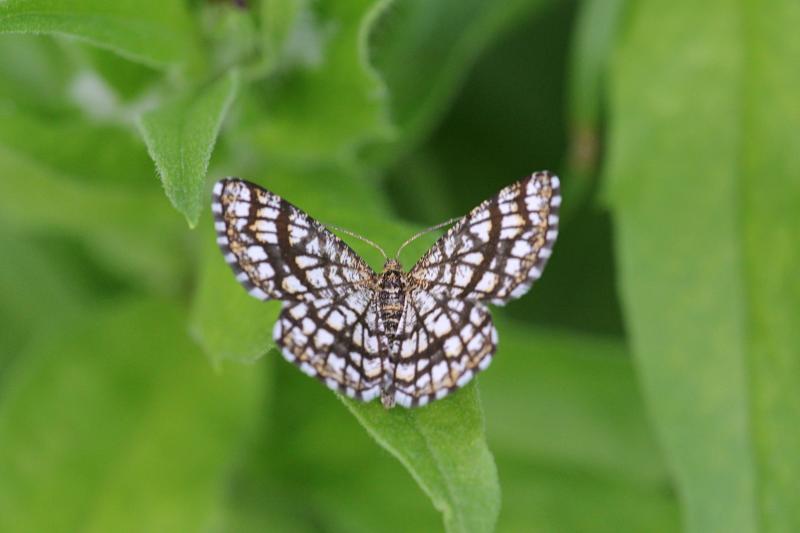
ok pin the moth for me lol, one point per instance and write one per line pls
(408, 337)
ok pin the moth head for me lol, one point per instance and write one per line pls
(392, 264)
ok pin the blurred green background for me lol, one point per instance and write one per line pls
(649, 382)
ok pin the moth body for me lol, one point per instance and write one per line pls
(391, 297)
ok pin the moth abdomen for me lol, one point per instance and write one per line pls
(391, 297)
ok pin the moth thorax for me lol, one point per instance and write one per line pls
(391, 296)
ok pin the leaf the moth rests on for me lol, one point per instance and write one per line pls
(444, 448)
(228, 322)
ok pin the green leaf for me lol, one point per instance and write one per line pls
(230, 36)
(444, 448)
(153, 32)
(227, 321)
(126, 80)
(583, 408)
(771, 255)
(288, 35)
(570, 436)
(35, 287)
(36, 74)
(62, 144)
(133, 231)
(704, 165)
(180, 136)
(332, 101)
(595, 34)
(542, 496)
(444, 39)
(117, 424)
(286, 479)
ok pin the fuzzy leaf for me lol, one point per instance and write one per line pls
(180, 136)
(443, 446)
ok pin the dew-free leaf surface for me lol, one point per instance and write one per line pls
(229, 323)
(443, 447)
(111, 402)
(154, 32)
(444, 39)
(132, 231)
(704, 185)
(324, 107)
(180, 137)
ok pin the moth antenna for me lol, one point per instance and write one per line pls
(357, 236)
(423, 232)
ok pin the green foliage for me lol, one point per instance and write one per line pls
(108, 218)
(180, 136)
(155, 32)
(445, 450)
(226, 321)
(331, 102)
(595, 31)
(444, 38)
(139, 386)
(704, 183)
(80, 412)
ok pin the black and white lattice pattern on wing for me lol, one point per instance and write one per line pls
(499, 249)
(440, 345)
(335, 341)
(279, 252)
(408, 338)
